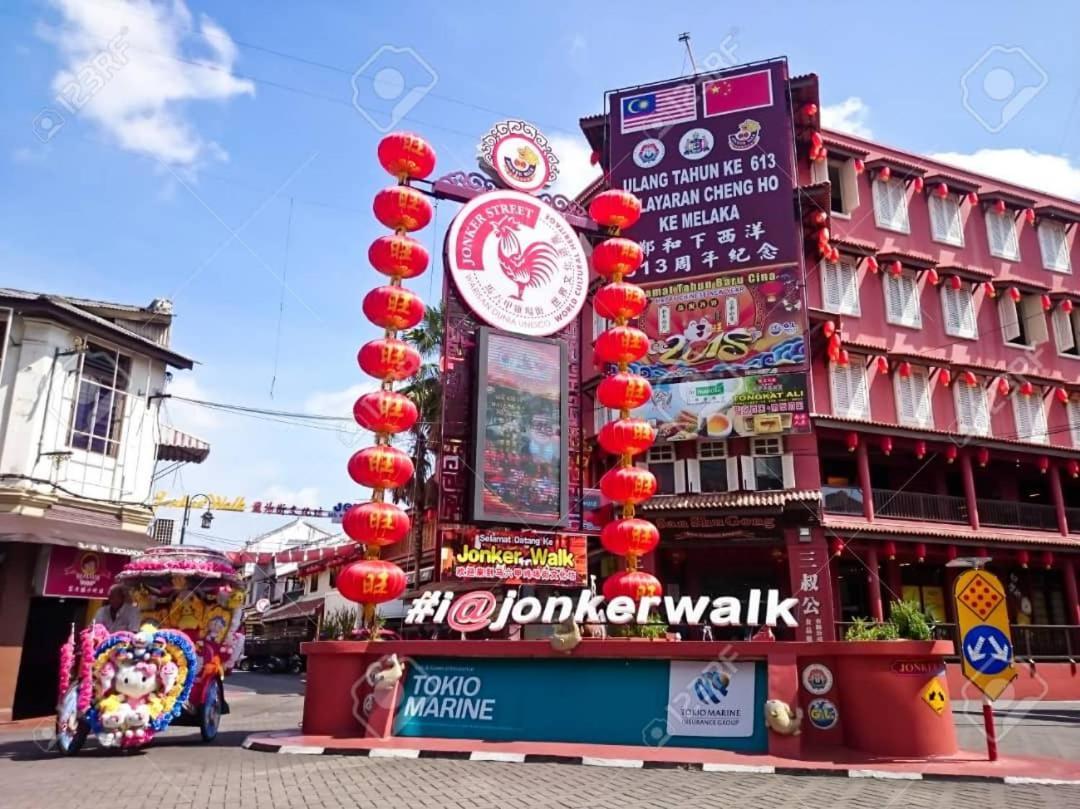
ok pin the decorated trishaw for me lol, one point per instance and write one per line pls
(125, 687)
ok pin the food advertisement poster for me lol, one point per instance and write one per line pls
(521, 441)
(735, 324)
(716, 409)
(516, 557)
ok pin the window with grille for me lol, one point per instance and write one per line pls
(840, 287)
(660, 460)
(958, 311)
(902, 300)
(101, 386)
(768, 467)
(1030, 416)
(1054, 246)
(1066, 331)
(913, 403)
(890, 205)
(1001, 233)
(972, 414)
(1073, 410)
(850, 395)
(946, 224)
(1023, 322)
(161, 531)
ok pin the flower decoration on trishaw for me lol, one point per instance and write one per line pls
(125, 687)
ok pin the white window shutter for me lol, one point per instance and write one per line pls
(733, 480)
(1034, 319)
(950, 310)
(1001, 231)
(882, 206)
(969, 325)
(680, 477)
(860, 394)
(1010, 319)
(971, 413)
(1064, 335)
(894, 303)
(912, 310)
(939, 227)
(849, 289)
(840, 389)
(830, 287)
(1054, 246)
(851, 186)
(982, 414)
(900, 212)
(787, 463)
(920, 391)
(1073, 410)
(945, 223)
(693, 475)
(749, 479)
(905, 404)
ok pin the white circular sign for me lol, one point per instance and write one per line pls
(696, 144)
(520, 164)
(517, 263)
(262, 605)
(648, 153)
(817, 678)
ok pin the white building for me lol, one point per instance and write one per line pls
(81, 383)
(267, 579)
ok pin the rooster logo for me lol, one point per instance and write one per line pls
(532, 267)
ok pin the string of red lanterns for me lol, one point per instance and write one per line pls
(389, 359)
(619, 301)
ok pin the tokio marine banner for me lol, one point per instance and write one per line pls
(712, 159)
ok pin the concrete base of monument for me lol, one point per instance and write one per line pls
(843, 763)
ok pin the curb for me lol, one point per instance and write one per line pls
(264, 746)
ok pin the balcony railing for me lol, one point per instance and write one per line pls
(1008, 514)
(1072, 515)
(919, 506)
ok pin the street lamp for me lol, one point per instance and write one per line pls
(206, 519)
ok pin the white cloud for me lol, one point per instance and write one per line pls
(851, 116)
(338, 402)
(575, 169)
(136, 64)
(190, 418)
(308, 496)
(1053, 174)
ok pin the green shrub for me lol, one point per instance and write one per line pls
(906, 621)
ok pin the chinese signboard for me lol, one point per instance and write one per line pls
(810, 583)
(521, 416)
(712, 160)
(986, 650)
(75, 573)
(516, 557)
(717, 409)
(735, 324)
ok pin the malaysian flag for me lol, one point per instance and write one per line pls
(672, 105)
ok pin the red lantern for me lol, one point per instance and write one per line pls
(828, 328)
(1029, 216)
(834, 255)
(944, 377)
(969, 379)
(1048, 559)
(942, 190)
(918, 185)
(852, 442)
(1067, 306)
(991, 292)
(889, 549)
(1061, 395)
(905, 370)
(1023, 557)
(886, 445)
(932, 277)
(860, 167)
(1047, 304)
(388, 358)
(1003, 387)
(982, 455)
(920, 551)
(1044, 464)
(882, 364)
(956, 283)
(629, 536)
(896, 268)
(628, 484)
(594, 157)
(406, 156)
(628, 435)
(999, 207)
(885, 174)
(973, 198)
(617, 256)
(381, 467)
(615, 208)
(834, 353)
(816, 142)
(951, 552)
(823, 237)
(634, 584)
(920, 449)
(371, 581)
(624, 390)
(398, 256)
(809, 110)
(843, 358)
(872, 264)
(376, 523)
(819, 218)
(951, 453)
(622, 344)
(393, 307)
(835, 342)
(836, 546)
(402, 208)
(1027, 389)
(1074, 468)
(620, 301)
(384, 411)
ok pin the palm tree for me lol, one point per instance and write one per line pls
(425, 390)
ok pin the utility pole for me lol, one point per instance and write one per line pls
(684, 38)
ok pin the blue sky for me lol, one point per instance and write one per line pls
(176, 176)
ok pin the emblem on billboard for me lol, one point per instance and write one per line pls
(746, 137)
(517, 263)
(696, 144)
(823, 713)
(88, 570)
(817, 678)
(648, 153)
(519, 156)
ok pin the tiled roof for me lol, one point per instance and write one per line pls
(966, 271)
(845, 148)
(902, 167)
(296, 609)
(697, 502)
(1008, 197)
(908, 257)
(855, 245)
(1058, 212)
(954, 181)
(953, 531)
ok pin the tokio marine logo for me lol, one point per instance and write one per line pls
(517, 263)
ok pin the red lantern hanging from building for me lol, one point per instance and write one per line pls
(991, 290)
(858, 165)
(376, 523)
(973, 197)
(1047, 304)
(884, 174)
(402, 208)
(621, 344)
(628, 484)
(808, 111)
(381, 467)
(920, 552)
(956, 283)
(999, 207)
(1023, 557)
(852, 441)
(944, 377)
(886, 445)
(1003, 387)
(1061, 395)
(617, 256)
(406, 156)
(615, 208)
(626, 436)
(1067, 306)
(941, 190)
(982, 553)
(1029, 216)
(918, 185)
(932, 277)
(982, 456)
(951, 552)
(828, 328)
(904, 370)
(889, 549)
(969, 379)
(624, 391)
(1074, 468)
(843, 358)
(1027, 389)
(629, 537)
(620, 300)
(882, 363)
(1043, 464)
(896, 268)
(836, 546)
(393, 307)
(871, 264)
(387, 358)
(920, 449)
(951, 453)
(398, 256)
(633, 584)
(384, 411)
(1048, 559)
(371, 581)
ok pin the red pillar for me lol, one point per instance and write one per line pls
(1054, 479)
(892, 580)
(834, 582)
(811, 583)
(873, 587)
(862, 460)
(969, 489)
(1072, 602)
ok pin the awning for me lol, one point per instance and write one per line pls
(297, 609)
(43, 531)
(179, 446)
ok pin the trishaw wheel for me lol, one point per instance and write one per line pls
(210, 713)
(71, 729)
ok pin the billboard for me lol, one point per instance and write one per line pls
(516, 557)
(712, 159)
(716, 409)
(730, 325)
(520, 457)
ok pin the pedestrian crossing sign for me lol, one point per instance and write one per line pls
(982, 615)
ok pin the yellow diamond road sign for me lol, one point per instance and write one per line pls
(986, 649)
(935, 696)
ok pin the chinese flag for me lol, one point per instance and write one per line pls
(738, 93)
